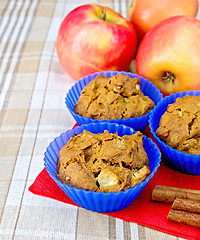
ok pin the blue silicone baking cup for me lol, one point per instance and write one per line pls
(138, 123)
(100, 201)
(186, 163)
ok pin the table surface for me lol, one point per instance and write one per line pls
(33, 113)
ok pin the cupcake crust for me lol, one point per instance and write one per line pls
(118, 97)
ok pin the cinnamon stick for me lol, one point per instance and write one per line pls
(192, 219)
(186, 205)
(168, 194)
(177, 189)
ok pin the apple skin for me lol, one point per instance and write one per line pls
(87, 43)
(145, 14)
(172, 46)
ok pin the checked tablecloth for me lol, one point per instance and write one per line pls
(32, 114)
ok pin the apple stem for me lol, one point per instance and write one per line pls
(169, 77)
(104, 14)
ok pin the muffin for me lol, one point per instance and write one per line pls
(117, 97)
(176, 131)
(179, 126)
(103, 162)
(100, 201)
(138, 123)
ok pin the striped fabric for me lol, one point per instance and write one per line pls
(33, 113)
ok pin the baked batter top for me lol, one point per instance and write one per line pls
(117, 97)
(179, 126)
(103, 162)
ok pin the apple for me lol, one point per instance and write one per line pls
(145, 14)
(169, 55)
(93, 38)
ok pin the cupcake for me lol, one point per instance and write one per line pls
(103, 162)
(118, 97)
(175, 124)
(111, 190)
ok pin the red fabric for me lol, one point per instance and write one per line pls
(142, 211)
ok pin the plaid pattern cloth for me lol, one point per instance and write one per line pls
(32, 114)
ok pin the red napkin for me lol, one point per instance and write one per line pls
(142, 211)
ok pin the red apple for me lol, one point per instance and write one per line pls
(169, 55)
(145, 14)
(94, 38)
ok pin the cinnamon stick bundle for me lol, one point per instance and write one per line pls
(168, 194)
(192, 219)
(186, 203)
